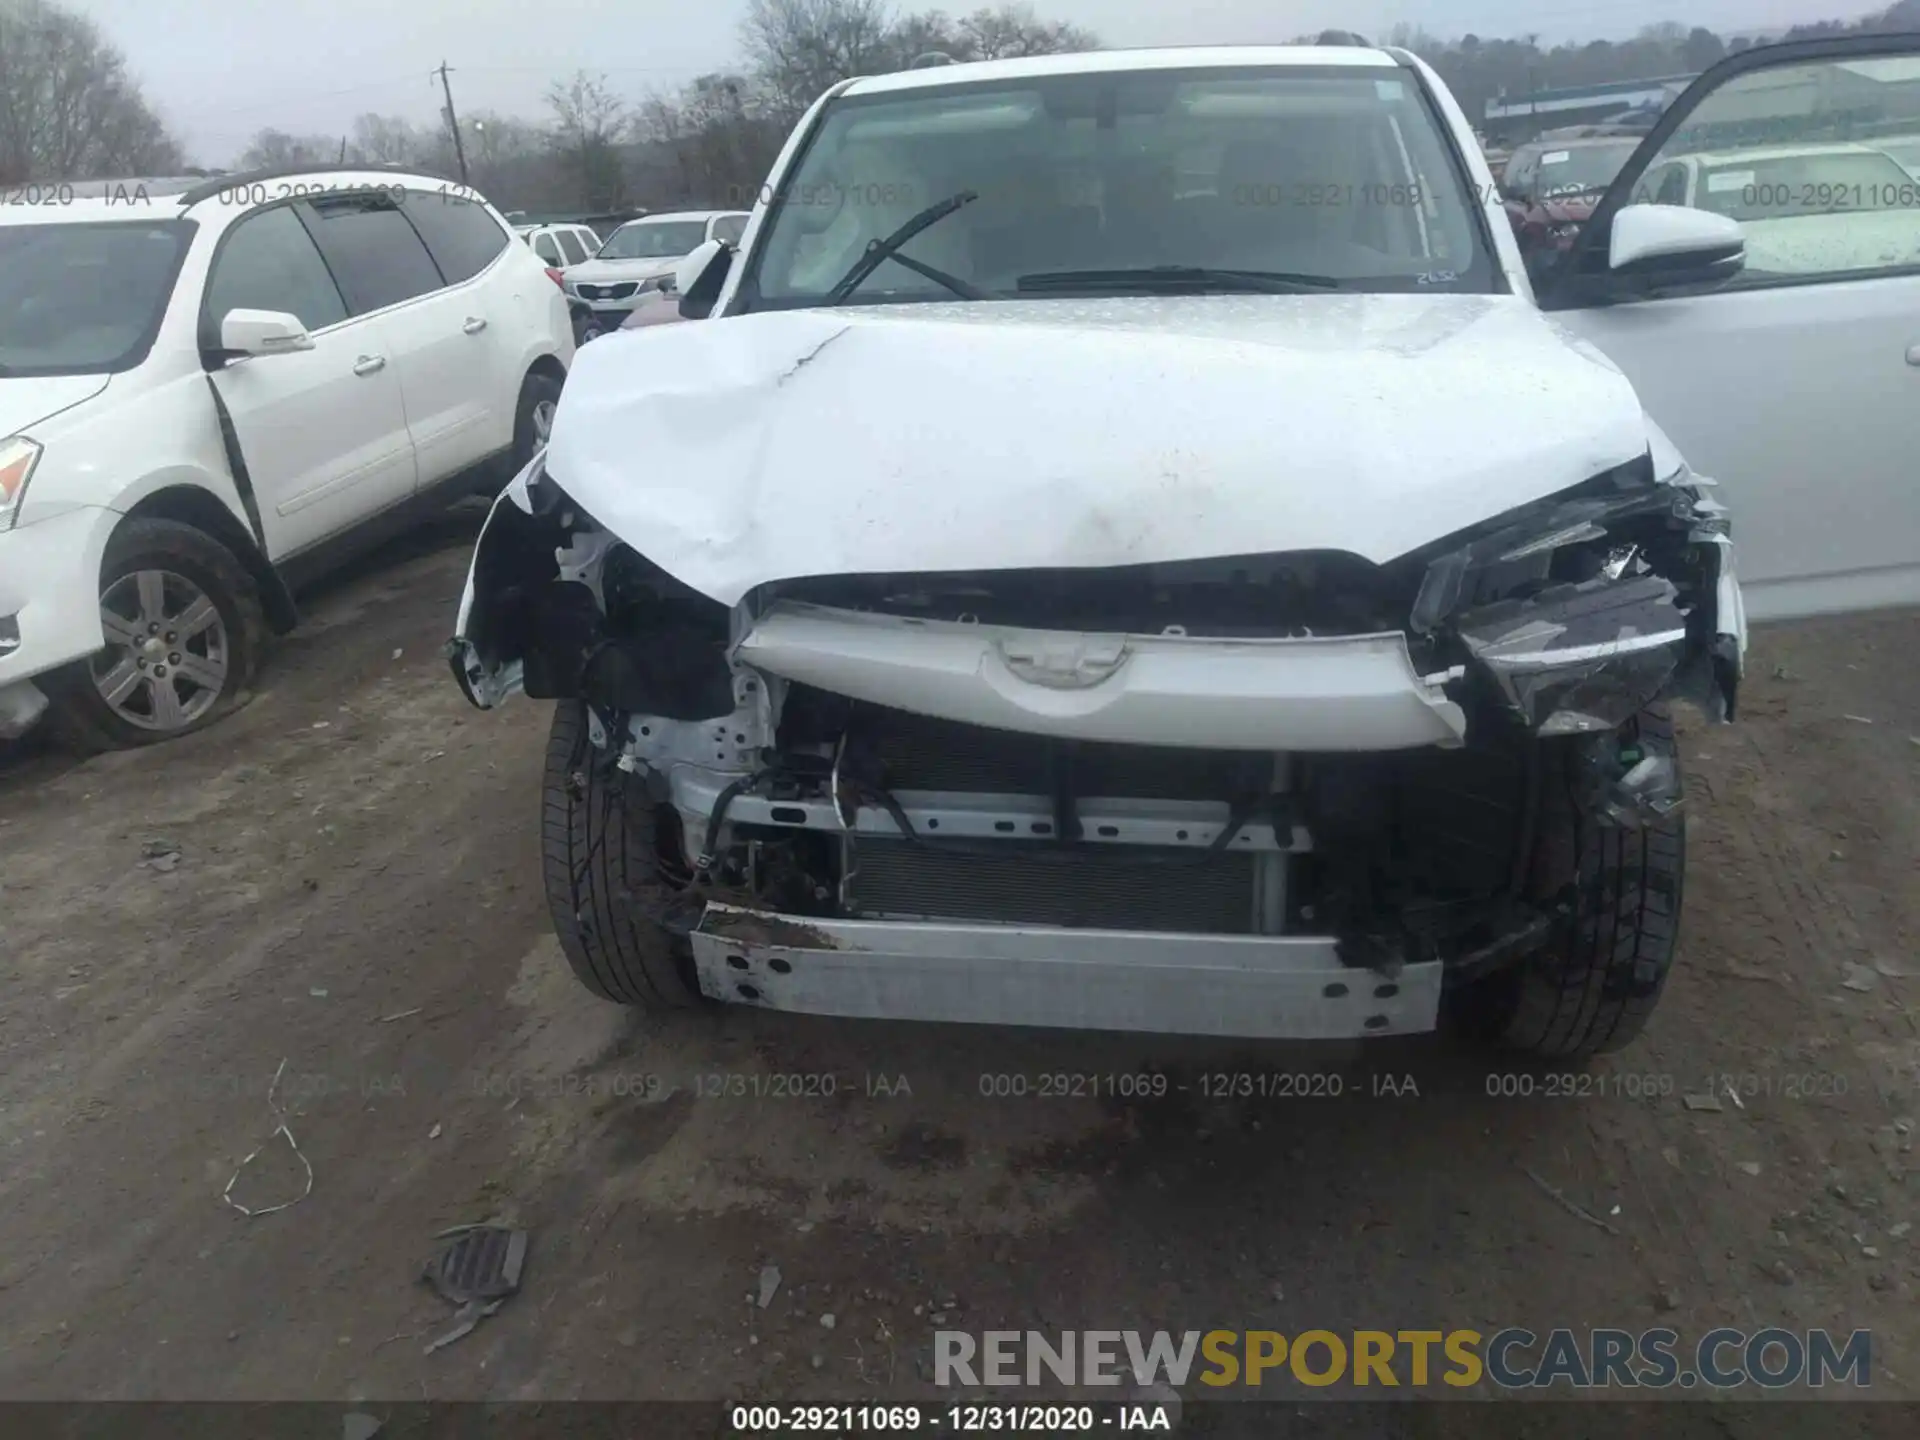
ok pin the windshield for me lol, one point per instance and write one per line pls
(1336, 172)
(654, 240)
(1749, 188)
(84, 299)
(1579, 169)
(1906, 151)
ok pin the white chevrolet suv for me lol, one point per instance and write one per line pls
(208, 395)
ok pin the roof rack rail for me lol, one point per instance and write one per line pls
(207, 189)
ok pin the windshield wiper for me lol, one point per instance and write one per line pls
(878, 252)
(1177, 277)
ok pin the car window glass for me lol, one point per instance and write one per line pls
(373, 252)
(1273, 169)
(1669, 186)
(268, 262)
(86, 298)
(462, 237)
(1805, 158)
(544, 247)
(570, 246)
(729, 228)
(654, 240)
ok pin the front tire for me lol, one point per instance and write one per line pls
(1594, 985)
(185, 630)
(600, 858)
(533, 418)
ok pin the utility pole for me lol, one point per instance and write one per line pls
(453, 121)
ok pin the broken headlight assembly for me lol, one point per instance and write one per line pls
(1578, 611)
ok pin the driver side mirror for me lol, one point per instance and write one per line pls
(263, 332)
(1653, 247)
(698, 278)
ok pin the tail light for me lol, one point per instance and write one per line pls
(557, 278)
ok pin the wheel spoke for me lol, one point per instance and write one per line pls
(120, 630)
(167, 713)
(207, 674)
(153, 596)
(120, 682)
(197, 617)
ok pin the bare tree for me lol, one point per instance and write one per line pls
(799, 48)
(590, 122)
(68, 108)
(272, 149)
(1014, 30)
(387, 140)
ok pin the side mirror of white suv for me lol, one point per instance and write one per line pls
(688, 272)
(698, 278)
(263, 332)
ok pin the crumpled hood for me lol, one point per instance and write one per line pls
(1079, 433)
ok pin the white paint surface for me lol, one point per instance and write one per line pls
(1079, 433)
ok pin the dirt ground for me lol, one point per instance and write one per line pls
(356, 895)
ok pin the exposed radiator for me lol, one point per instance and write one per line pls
(1107, 887)
(925, 754)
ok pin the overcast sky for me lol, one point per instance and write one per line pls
(219, 70)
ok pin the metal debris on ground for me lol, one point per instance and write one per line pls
(1860, 977)
(1572, 1207)
(399, 1015)
(161, 855)
(769, 1284)
(1859, 719)
(279, 1129)
(1702, 1102)
(465, 1319)
(477, 1268)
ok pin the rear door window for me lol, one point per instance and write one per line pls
(375, 255)
(570, 246)
(459, 233)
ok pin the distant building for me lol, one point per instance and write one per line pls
(1517, 118)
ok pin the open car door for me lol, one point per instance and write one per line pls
(1794, 379)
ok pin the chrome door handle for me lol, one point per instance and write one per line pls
(1913, 354)
(367, 364)
(474, 325)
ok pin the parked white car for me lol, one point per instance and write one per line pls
(207, 396)
(1192, 584)
(640, 257)
(1803, 209)
(560, 247)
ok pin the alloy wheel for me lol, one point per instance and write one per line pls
(168, 652)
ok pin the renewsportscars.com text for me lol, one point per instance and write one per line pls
(1510, 1359)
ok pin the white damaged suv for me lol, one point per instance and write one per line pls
(210, 391)
(1125, 546)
